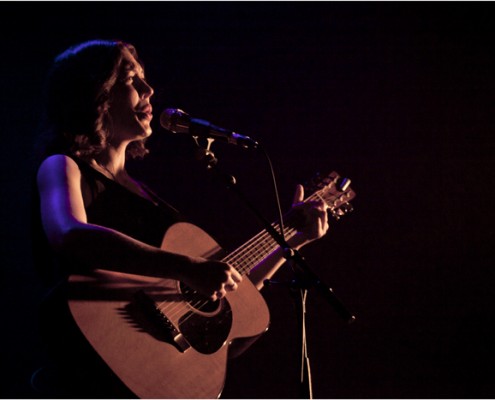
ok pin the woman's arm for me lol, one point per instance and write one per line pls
(314, 227)
(65, 223)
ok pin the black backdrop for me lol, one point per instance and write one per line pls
(396, 96)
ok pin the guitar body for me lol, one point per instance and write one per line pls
(161, 339)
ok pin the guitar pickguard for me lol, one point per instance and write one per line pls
(206, 334)
(204, 326)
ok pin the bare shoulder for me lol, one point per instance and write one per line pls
(58, 162)
(57, 168)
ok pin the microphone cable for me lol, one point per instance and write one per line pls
(275, 189)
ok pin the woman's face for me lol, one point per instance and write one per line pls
(130, 109)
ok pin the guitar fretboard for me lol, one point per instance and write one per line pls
(260, 246)
(256, 249)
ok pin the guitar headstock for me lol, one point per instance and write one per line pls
(334, 190)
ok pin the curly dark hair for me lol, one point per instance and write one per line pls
(77, 91)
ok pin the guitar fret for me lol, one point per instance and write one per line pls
(256, 249)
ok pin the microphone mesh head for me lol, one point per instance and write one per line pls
(175, 120)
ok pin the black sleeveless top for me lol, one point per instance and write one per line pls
(114, 206)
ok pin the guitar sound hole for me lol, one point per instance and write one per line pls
(207, 325)
(198, 301)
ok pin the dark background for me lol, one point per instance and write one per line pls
(396, 96)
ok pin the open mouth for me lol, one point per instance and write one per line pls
(144, 116)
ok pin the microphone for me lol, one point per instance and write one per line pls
(178, 121)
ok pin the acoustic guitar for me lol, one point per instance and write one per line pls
(164, 340)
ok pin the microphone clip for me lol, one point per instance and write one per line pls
(204, 153)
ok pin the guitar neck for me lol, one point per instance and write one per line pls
(254, 251)
(332, 190)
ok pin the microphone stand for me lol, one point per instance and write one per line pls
(304, 279)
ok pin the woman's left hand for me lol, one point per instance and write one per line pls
(312, 219)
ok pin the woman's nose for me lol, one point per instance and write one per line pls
(146, 90)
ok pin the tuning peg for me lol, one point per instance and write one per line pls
(339, 212)
(336, 215)
(346, 208)
(343, 184)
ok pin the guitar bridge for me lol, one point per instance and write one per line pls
(166, 330)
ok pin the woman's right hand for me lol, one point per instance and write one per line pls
(212, 279)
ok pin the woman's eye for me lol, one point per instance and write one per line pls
(127, 79)
(132, 78)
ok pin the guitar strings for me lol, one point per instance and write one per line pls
(248, 247)
(244, 258)
(250, 254)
